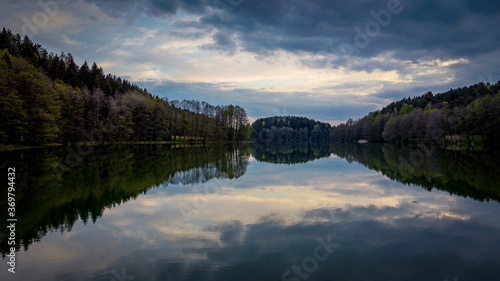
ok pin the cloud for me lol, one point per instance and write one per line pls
(261, 54)
(424, 31)
(158, 8)
(230, 232)
(223, 42)
(449, 28)
(452, 29)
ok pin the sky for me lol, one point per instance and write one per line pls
(326, 60)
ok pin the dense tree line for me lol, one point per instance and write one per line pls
(467, 114)
(48, 98)
(289, 130)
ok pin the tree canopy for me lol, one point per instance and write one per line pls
(280, 130)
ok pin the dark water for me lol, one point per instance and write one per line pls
(358, 212)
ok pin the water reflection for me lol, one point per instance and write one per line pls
(252, 220)
(290, 153)
(106, 178)
(474, 174)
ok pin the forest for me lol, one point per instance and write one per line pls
(462, 116)
(281, 130)
(48, 98)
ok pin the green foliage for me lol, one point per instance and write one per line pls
(405, 109)
(14, 116)
(39, 101)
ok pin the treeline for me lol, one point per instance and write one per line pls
(289, 130)
(48, 98)
(459, 115)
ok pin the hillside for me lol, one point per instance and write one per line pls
(461, 116)
(47, 98)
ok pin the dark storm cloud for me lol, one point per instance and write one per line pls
(223, 42)
(454, 28)
(127, 8)
(416, 29)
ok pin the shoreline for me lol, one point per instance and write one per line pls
(4, 148)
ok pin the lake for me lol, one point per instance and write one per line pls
(344, 212)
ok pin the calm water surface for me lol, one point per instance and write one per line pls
(226, 213)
